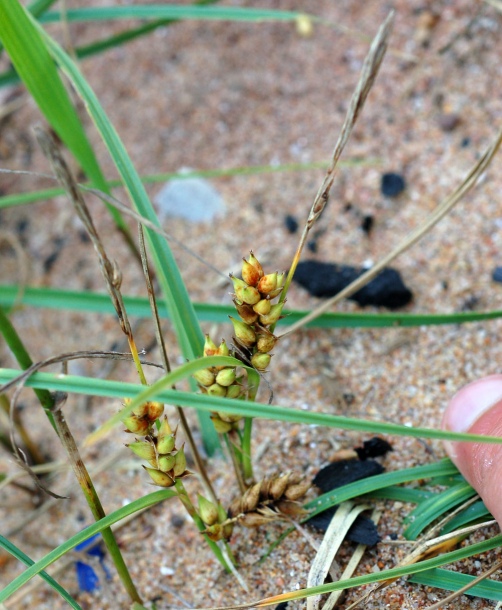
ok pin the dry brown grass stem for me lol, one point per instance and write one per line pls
(368, 74)
(467, 184)
(109, 268)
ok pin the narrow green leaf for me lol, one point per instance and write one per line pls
(120, 389)
(20, 556)
(431, 509)
(85, 534)
(36, 68)
(171, 11)
(453, 581)
(55, 298)
(473, 513)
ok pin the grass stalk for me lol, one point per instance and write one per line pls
(92, 498)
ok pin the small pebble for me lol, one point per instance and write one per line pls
(497, 274)
(291, 223)
(193, 199)
(312, 246)
(449, 121)
(465, 142)
(392, 184)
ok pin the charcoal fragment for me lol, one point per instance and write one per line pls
(362, 531)
(497, 274)
(320, 279)
(375, 447)
(344, 472)
(367, 223)
(392, 184)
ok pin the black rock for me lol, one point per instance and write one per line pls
(344, 472)
(375, 447)
(327, 279)
(362, 531)
(291, 223)
(312, 246)
(392, 184)
(497, 274)
(282, 606)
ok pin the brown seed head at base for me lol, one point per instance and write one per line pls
(246, 312)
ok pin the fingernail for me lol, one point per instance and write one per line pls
(471, 402)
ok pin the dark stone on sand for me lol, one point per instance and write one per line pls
(291, 223)
(362, 531)
(374, 447)
(367, 223)
(387, 289)
(497, 274)
(392, 184)
(344, 472)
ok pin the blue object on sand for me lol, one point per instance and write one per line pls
(87, 578)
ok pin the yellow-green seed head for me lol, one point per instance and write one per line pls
(268, 283)
(165, 428)
(239, 286)
(204, 376)
(162, 479)
(141, 410)
(210, 348)
(226, 377)
(214, 532)
(266, 342)
(136, 425)
(143, 450)
(217, 390)
(234, 391)
(273, 316)
(246, 312)
(262, 308)
(180, 463)
(250, 274)
(260, 361)
(208, 511)
(244, 332)
(166, 443)
(223, 349)
(166, 462)
(229, 418)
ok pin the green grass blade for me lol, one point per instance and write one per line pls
(55, 298)
(431, 509)
(171, 11)
(120, 389)
(475, 512)
(88, 532)
(401, 494)
(453, 581)
(36, 68)
(22, 557)
(249, 170)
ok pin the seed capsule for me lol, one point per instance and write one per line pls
(165, 428)
(226, 377)
(217, 390)
(155, 410)
(210, 348)
(266, 342)
(278, 486)
(243, 332)
(166, 444)
(262, 307)
(250, 274)
(268, 283)
(234, 391)
(223, 349)
(222, 427)
(250, 295)
(136, 425)
(145, 451)
(239, 286)
(208, 511)
(251, 498)
(260, 361)
(273, 316)
(180, 463)
(246, 312)
(294, 492)
(166, 462)
(162, 479)
(204, 376)
(254, 261)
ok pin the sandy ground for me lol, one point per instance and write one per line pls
(226, 95)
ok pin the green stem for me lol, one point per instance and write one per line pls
(93, 501)
(247, 465)
(16, 346)
(185, 500)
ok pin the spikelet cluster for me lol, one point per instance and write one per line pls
(215, 518)
(220, 381)
(158, 448)
(253, 296)
(270, 500)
